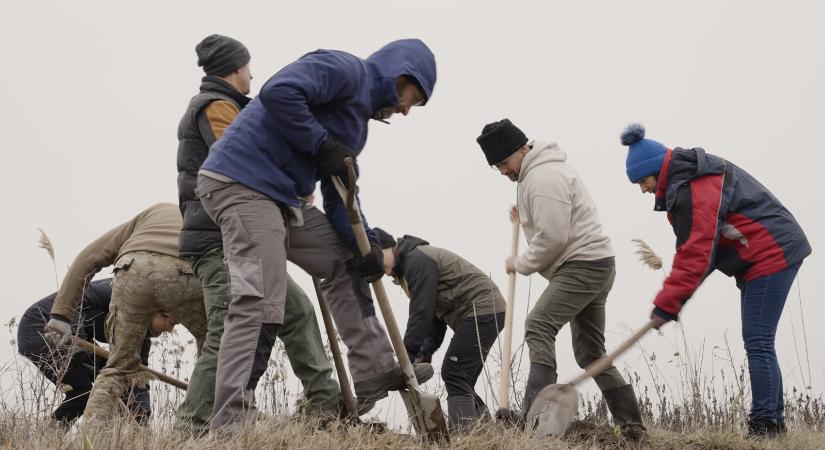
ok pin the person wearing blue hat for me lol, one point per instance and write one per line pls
(726, 220)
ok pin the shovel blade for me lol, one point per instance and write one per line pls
(553, 410)
(426, 415)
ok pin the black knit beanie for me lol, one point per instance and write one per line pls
(221, 55)
(385, 239)
(499, 140)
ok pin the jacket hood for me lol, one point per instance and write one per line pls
(409, 57)
(681, 167)
(405, 245)
(540, 153)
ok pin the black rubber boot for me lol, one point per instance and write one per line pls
(540, 376)
(766, 429)
(624, 407)
(461, 411)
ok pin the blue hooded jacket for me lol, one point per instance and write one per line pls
(326, 93)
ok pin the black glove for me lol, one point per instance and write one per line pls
(370, 267)
(329, 159)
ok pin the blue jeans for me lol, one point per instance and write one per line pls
(762, 302)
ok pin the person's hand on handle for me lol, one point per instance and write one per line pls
(330, 158)
(370, 267)
(658, 319)
(514, 218)
(510, 264)
(58, 331)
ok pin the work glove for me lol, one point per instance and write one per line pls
(369, 267)
(58, 331)
(329, 159)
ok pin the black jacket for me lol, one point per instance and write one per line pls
(199, 233)
(444, 289)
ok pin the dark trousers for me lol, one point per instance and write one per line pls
(762, 302)
(467, 352)
(79, 374)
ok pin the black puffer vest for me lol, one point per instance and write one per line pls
(199, 233)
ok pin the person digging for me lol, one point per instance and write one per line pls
(75, 370)
(567, 246)
(724, 219)
(446, 290)
(148, 278)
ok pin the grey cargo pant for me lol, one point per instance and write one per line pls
(257, 244)
(577, 294)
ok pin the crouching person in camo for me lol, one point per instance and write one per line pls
(148, 278)
(446, 290)
(74, 370)
(568, 247)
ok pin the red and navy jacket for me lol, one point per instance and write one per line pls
(725, 220)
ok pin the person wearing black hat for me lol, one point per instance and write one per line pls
(567, 246)
(446, 290)
(223, 90)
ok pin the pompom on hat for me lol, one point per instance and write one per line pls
(644, 156)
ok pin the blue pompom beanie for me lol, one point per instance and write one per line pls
(644, 156)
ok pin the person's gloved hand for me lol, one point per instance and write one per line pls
(329, 159)
(370, 267)
(58, 331)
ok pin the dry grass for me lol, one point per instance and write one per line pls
(289, 432)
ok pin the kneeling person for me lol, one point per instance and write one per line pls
(446, 290)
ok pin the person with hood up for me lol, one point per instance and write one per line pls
(75, 370)
(222, 95)
(148, 278)
(567, 246)
(446, 290)
(307, 119)
(725, 220)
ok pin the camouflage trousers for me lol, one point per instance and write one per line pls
(143, 284)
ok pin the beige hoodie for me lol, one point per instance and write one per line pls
(558, 216)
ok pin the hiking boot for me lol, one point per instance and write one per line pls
(766, 429)
(624, 407)
(378, 387)
(461, 411)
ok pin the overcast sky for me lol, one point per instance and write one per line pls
(93, 92)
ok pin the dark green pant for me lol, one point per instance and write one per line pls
(577, 294)
(299, 333)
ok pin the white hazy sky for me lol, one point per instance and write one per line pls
(92, 93)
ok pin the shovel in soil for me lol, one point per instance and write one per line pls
(424, 410)
(555, 406)
(504, 414)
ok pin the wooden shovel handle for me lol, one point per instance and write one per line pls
(348, 197)
(332, 335)
(504, 382)
(606, 361)
(101, 353)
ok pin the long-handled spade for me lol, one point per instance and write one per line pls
(424, 410)
(504, 412)
(101, 353)
(332, 335)
(555, 406)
